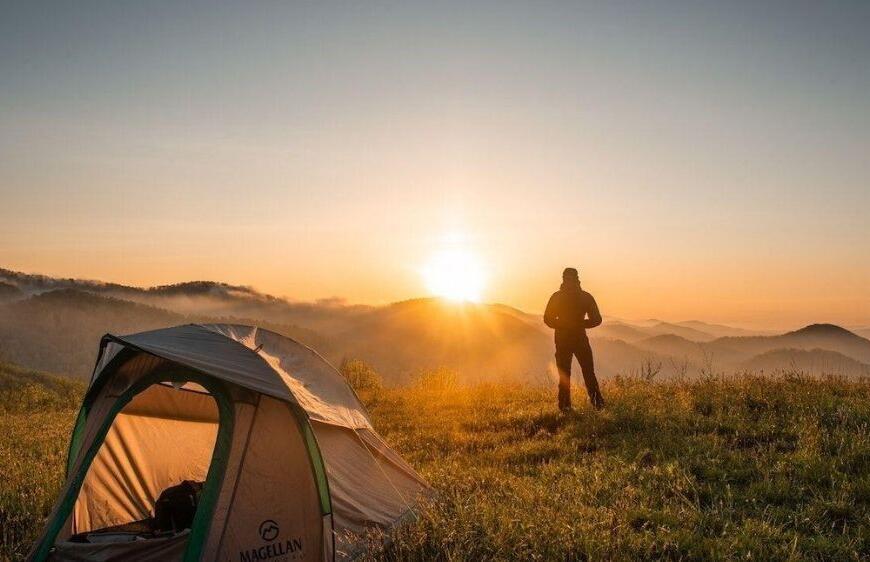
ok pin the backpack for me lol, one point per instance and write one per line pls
(176, 506)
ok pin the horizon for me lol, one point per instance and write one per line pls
(342, 302)
(693, 161)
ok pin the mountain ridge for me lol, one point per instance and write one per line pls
(54, 325)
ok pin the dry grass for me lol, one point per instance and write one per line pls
(745, 467)
(726, 468)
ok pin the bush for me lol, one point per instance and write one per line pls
(360, 376)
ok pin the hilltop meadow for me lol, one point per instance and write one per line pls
(712, 468)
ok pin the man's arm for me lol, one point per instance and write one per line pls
(594, 315)
(551, 317)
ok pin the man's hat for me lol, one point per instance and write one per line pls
(570, 274)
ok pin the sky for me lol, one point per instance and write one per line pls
(693, 159)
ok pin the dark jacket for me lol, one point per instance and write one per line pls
(568, 310)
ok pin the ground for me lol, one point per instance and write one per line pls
(744, 467)
(724, 468)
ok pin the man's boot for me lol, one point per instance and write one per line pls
(596, 399)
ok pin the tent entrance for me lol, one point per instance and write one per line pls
(159, 447)
(164, 442)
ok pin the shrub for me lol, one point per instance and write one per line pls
(361, 376)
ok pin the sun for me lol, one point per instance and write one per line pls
(455, 274)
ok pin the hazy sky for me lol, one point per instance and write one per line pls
(694, 159)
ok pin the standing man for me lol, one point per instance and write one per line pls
(571, 311)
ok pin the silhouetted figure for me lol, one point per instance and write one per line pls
(571, 311)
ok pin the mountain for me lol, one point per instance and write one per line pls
(814, 336)
(671, 344)
(204, 298)
(619, 331)
(717, 330)
(734, 353)
(686, 332)
(819, 361)
(486, 342)
(864, 331)
(55, 324)
(693, 330)
(9, 292)
(59, 330)
(535, 320)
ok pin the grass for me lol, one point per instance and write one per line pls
(24, 391)
(719, 469)
(723, 468)
(37, 411)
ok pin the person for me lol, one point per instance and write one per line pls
(570, 312)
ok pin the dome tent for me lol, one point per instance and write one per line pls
(289, 464)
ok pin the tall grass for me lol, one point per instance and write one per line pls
(37, 411)
(723, 468)
(28, 391)
(744, 467)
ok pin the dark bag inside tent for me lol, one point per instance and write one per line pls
(176, 507)
(174, 511)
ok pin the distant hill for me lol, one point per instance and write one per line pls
(819, 361)
(815, 336)
(487, 342)
(671, 344)
(55, 325)
(59, 330)
(9, 292)
(202, 298)
(729, 353)
(619, 331)
(863, 331)
(716, 330)
(686, 332)
(692, 330)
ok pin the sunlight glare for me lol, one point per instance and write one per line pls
(455, 274)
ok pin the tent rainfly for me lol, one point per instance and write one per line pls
(222, 442)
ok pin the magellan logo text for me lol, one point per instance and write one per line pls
(276, 549)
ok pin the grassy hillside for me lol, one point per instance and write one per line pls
(24, 391)
(37, 411)
(748, 467)
(734, 468)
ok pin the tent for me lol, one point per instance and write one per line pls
(288, 464)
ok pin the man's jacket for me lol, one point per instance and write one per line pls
(571, 311)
